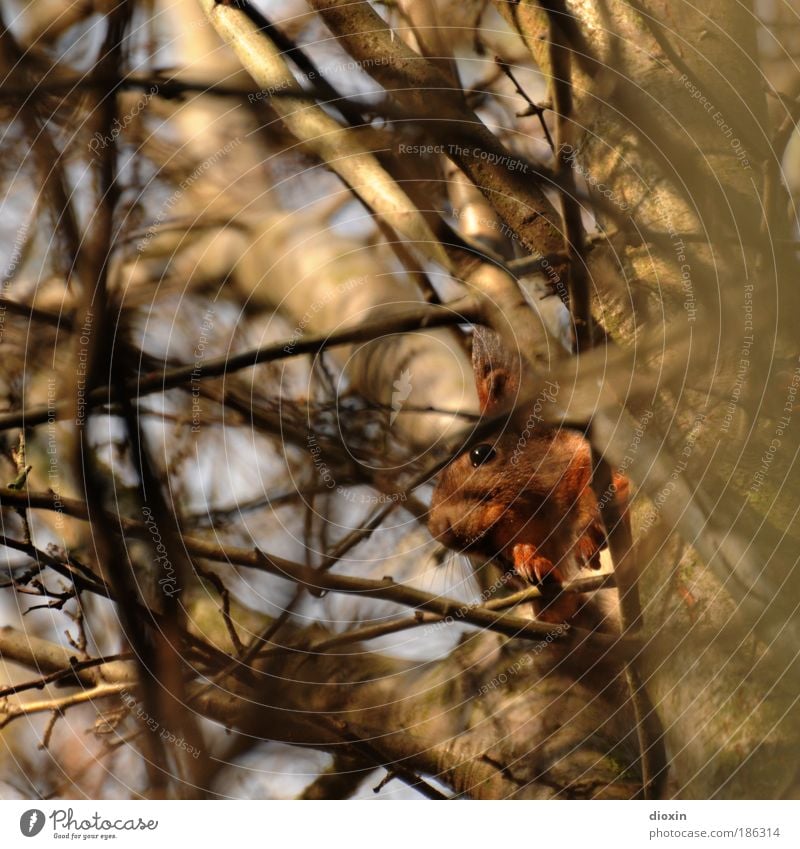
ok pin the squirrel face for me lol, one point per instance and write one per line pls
(502, 494)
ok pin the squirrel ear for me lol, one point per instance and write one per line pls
(497, 371)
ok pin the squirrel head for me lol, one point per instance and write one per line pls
(509, 487)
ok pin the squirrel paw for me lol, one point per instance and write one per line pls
(531, 566)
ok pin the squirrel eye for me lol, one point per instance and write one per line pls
(481, 454)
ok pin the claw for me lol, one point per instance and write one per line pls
(534, 568)
(531, 566)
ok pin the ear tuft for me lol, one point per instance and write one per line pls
(497, 371)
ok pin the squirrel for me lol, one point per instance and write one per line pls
(524, 498)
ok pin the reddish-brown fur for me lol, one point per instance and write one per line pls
(532, 502)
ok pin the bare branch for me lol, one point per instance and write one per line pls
(425, 317)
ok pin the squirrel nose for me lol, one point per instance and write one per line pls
(441, 530)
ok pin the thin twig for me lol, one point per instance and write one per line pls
(369, 748)
(101, 691)
(533, 108)
(63, 674)
(225, 609)
(48, 731)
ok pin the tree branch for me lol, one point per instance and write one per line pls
(424, 317)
